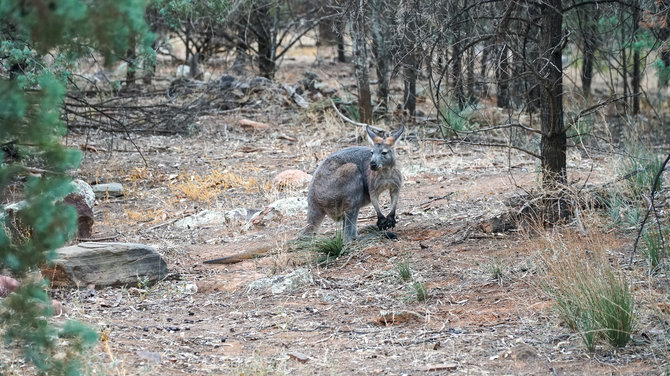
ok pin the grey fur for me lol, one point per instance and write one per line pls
(351, 179)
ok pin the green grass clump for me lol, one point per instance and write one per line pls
(654, 250)
(421, 294)
(496, 270)
(404, 270)
(329, 248)
(591, 297)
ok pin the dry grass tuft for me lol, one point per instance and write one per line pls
(204, 188)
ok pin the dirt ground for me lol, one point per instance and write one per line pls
(358, 317)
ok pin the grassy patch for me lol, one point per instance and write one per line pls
(590, 295)
(328, 248)
(205, 187)
(420, 291)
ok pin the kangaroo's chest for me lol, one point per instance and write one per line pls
(390, 181)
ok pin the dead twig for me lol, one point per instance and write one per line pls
(341, 115)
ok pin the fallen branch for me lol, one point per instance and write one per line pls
(341, 115)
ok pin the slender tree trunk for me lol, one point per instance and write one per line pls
(341, 57)
(636, 59)
(503, 76)
(457, 67)
(553, 143)
(381, 31)
(624, 58)
(358, 23)
(131, 63)
(263, 20)
(411, 61)
(588, 17)
(664, 72)
(470, 75)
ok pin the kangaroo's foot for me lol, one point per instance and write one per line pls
(386, 223)
(391, 235)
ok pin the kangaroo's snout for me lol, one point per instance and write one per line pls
(373, 166)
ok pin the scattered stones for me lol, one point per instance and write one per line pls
(283, 283)
(398, 317)
(292, 179)
(105, 264)
(108, 190)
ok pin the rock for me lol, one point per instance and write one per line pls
(58, 308)
(105, 264)
(253, 125)
(264, 218)
(440, 367)
(108, 190)
(302, 358)
(84, 189)
(292, 179)
(7, 285)
(183, 71)
(398, 317)
(283, 283)
(150, 356)
(521, 352)
(208, 217)
(290, 205)
(84, 214)
(227, 82)
(498, 224)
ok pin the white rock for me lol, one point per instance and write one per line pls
(290, 205)
(283, 283)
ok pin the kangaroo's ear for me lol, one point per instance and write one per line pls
(371, 134)
(396, 134)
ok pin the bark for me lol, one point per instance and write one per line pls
(588, 19)
(553, 143)
(502, 78)
(265, 36)
(381, 31)
(341, 57)
(358, 22)
(131, 61)
(411, 60)
(635, 80)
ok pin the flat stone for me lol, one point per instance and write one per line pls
(297, 355)
(105, 264)
(283, 283)
(290, 205)
(108, 190)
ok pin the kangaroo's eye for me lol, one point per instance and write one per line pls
(384, 152)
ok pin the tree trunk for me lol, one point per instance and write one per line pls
(588, 17)
(381, 31)
(341, 57)
(624, 58)
(553, 143)
(502, 76)
(265, 38)
(358, 22)
(664, 71)
(635, 80)
(131, 63)
(470, 75)
(410, 61)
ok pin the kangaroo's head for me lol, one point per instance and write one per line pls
(382, 149)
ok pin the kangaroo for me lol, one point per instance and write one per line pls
(345, 182)
(352, 178)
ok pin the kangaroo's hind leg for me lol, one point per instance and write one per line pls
(349, 223)
(315, 216)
